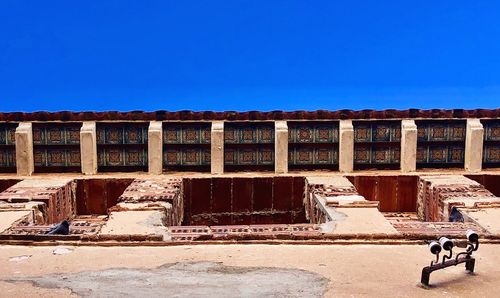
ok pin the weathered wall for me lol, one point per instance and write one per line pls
(220, 201)
(395, 193)
(6, 183)
(154, 194)
(490, 182)
(58, 195)
(95, 196)
(438, 194)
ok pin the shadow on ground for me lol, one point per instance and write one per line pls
(191, 279)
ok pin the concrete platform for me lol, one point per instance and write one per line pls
(359, 221)
(8, 218)
(488, 218)
(136, 223)
(344, 210)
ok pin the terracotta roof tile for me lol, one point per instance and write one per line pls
(249, 115)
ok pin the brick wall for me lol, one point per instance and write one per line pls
(59, 196)
(395, 193)
(269, 200)
(438, 194)
(96, 196)
(157, 194)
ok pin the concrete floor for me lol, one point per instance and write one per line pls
(254, 271)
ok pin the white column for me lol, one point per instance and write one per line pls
(155, 148)
(346, 146)
(280, 147)
(217, 147)
(474, 145)
(24, 149)
(88, 148)
(408, 159)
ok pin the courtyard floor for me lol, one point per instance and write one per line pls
(240, 270)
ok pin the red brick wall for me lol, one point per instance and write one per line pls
(438, 195)
(395, 193)
(232, 201)
(95, 196)
(59, 197)
(490, 182)
(6, 183)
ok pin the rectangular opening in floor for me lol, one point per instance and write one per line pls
(96, 196)
(244, 200)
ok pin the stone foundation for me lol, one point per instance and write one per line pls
(164, 194)
(245, 207)
(438, 194)
(335, 203)
(58, 195)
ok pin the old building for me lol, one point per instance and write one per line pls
(259, 176)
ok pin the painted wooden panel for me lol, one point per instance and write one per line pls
(440, 143)
(122, 156)
(7, 147)
(56, 145)
(176, 133)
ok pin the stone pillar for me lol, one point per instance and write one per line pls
(24, 149)
(217, 147)
(280, 147)
(474, 145)
(155, 147)
(408, 157)
(88, 148)
(346, 146)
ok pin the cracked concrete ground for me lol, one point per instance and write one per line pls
(188, 279)
(346, 270)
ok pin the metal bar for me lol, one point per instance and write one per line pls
(426, 271)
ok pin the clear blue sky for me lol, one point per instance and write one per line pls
(248, 55)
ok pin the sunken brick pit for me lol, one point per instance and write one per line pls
(170, 209)
(244, 201)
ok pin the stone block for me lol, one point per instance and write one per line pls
(155, 192)
(155, 147)
(474, 145)
(217, 147)
(24, 149)
(346, 146)
(408, 146)
(88, 148)
(281, 147)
